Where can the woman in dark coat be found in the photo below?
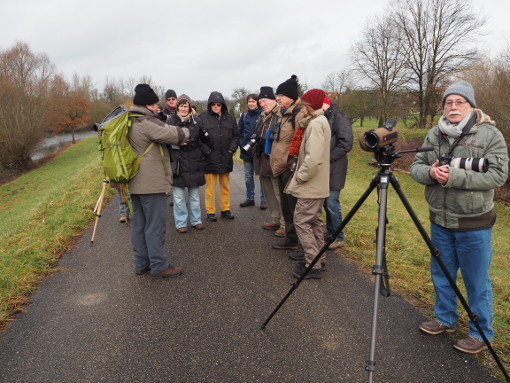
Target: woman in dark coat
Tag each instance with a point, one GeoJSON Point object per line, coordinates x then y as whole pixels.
{"type": "Point", "coordinates": [188, 167]}
{"type": "Point", "coordinates": [223, 136]}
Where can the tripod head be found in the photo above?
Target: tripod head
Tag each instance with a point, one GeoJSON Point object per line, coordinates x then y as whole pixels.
{"type": "Point", "coordinates": [386, 155]}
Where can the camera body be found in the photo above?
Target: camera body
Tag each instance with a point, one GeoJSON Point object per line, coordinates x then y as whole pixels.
{"type": "Point", "coordinates": [377, 139]}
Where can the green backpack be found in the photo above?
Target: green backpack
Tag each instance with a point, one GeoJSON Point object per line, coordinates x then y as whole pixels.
{"type": "Point", "coordinates": [120, 161]}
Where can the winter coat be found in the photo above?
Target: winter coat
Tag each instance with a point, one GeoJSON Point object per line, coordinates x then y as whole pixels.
{"type": "Point", "coordinates": [152, 176]}
{"type": "Point", "coordinates": [261, 160]}
{"type": "Point", "coordinates": [341, 144]}
{"type": "Point", "coordinates": [311, 176]}
{"type": "Point", "coordinates": [465, 202]}
{"type": "Point", "coordinates": [280, 161]}
{"type": "Point", "coordinates": [223, 136]}
{"type": "Point", "coordinates": [189, 158]}
{"type": "Point", "coordinates": [246, 127]}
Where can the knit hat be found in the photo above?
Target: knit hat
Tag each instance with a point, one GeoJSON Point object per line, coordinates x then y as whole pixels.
{"type": "Point", "coordinates": [326, 100]}
{"type": "Point", "coordinates": [289, 88]}
{"type": "Point", "coordinates": [144, 95]}
{"type": "Point", "coordinates": [314, 97]}
{"type": "Point", "coordinates": [462, 88]}
{"type": "Point", "coordinates": [266, 92]}
{"type": "Point", "coordinates": [170, 93]}
{"type": "Point", "coordinates": [183, 98]}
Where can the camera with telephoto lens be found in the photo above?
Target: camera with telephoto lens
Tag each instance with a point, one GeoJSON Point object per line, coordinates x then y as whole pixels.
{"type": "Point", "coordinates": [476, 164]}
{"type": "Point", "coordinates": [377, 139]}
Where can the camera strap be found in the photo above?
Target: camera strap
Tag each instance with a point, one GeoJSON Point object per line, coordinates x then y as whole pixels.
{"type": "Point", "coordinates": [464, 133]}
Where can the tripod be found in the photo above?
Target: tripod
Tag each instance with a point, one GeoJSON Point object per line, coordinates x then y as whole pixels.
{"type": "Point", "coordinates": [98, 208]}
{"type": "Point", "coordinates": [384, 177]}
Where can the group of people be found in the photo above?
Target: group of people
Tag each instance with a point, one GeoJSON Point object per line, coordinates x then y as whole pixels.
{"type": "Point", "coordinates": [297, 146]}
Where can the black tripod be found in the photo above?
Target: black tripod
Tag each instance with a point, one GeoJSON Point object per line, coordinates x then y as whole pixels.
{"type": "Point", "coordinates": [384, 177]}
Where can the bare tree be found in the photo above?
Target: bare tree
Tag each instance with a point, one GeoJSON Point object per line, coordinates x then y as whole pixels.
{"type": "Point", "coordinates": [337, 83]}
{"type": "Point", "coordinates": [379, 57]}
{"type": "Point", "coordinates": [25, 79]}
{"type": "Point", "coordinates": [437, 34]}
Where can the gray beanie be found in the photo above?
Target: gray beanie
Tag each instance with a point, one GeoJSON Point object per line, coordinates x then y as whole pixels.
{"type": "Point", "coordinates": [183, 98]}
{"type": "Point", "coordinates": [462, 88]}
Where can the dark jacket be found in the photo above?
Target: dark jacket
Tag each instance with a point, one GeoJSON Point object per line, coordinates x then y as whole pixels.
{"type": "Point", "coordinates": [246, 126]}
{"type": "Point", "coordinates": [261, 161]}
{"type": "Point", "coordinates": [223, 136]}
{"type": "Point", "coordinates": [341, 144]}
{"type": "Point", "coordinates": [188, 159]}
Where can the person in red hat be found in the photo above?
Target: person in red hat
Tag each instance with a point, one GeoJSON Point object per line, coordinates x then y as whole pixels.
{"type": "Point", "coordinates": [309, 183]}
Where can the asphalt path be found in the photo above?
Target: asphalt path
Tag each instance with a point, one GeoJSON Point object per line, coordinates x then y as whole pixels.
{"type": "Point", "coordinates": [96, 321]}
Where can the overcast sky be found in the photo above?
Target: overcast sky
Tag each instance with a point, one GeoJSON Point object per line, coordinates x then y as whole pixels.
{"type": "Point", "coordinates": [199, 46]}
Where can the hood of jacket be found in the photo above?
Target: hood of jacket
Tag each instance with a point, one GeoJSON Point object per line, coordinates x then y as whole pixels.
{"type": "Point", "coordinates": [216, 97]}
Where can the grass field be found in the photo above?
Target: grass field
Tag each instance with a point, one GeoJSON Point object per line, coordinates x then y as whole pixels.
{"type": "Point", "coordinates": [43, 212]}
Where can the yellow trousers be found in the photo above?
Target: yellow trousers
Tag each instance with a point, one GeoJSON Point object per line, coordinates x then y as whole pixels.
{"type": "Point", "coordinates": [210, 192]}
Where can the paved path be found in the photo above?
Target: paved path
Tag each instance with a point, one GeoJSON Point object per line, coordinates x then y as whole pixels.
{"type": "Point", "coordinates": [96, 321]}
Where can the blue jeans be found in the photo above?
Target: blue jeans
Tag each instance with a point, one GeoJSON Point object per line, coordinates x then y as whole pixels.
{"type": "Point", "coordinates": [122, 207]}
{"type": "Point", "coordinates": [250, 182]}
{"type": "Point", "coordinates": [148, 232]}
{"type": "Point", "coordinates": [333, 214]}
{"type": "Point", "coordinates": [180, 209]}
{"type": "Point", "coordinates": [471, 251]}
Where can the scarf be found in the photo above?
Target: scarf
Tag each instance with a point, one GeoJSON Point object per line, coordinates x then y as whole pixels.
{"type": "Point", "coordinates": [296, 142]}
{"type": "Point", "coordinates": [453, 130]}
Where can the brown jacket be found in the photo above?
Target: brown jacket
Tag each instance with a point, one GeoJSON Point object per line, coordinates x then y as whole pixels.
{"type": "Point", "coordinates": [151, 177]}
{"type": "Point", "coordinates": [279, 151]}
{"type": "Point", "coordinates": [311, 177]}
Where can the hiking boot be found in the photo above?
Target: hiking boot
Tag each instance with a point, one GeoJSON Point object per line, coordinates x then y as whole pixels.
{"type": "Point", "coordinates": [297, 255]}
{"type": "Point", "coordinates": [312, 274]}
{"type": "Point", "coordinates": [182, 230]}
{"type": "Point", "coordinates": [227, 214]}
{"type": "Point", "coordinates": [168, 272]}
{"type": "Point", "coordinates": [198, 226]}
{"type": "Point", "coordinates": [145, 270]}
{"type": "Point", "coordinates": [280, 232]}
{"type": "Point", "coordinates": [470, 345]}
{"type": "Point", "coordinates": [285, 245]}
{"type": "Point", "coordinates": [270, 226]}
{"type": "Point", "coordinates": [336, 245]}
{"type": "Point", "coordinates": [302, 264]}
{"type": "Point", "coordinates": [433, 327]}
{"type": "Point", "coordinates": [211, 217]}
{"type": "Point", "coordinates": [122, 219]}
{"type": "Point", "coordinates": [248, 202]}
{"type": "Point", "coordinates": [263, 205]}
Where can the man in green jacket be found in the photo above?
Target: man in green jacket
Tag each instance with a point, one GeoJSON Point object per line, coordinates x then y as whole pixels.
{"type": "Point", "coordinates": [150, 186]}
{"type": "Point", "coordinates": [470, 160]}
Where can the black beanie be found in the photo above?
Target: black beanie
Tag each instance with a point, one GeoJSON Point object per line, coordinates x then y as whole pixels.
{"type": "Point", "coordinates": [289, 88]}
{"type": "Point", "coordinates": [266, 92]}
{"type": "Point", "coordinates": [144, 95]}
{"type": "Point", "coordinates": [170, 93]}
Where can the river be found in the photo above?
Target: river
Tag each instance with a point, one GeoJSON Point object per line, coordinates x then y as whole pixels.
{"type": "Point", "coordinates": [54, 143]}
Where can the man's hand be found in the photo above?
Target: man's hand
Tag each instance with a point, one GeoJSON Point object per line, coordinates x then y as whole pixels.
{"type": "Point", "coordinates": [440, 173]}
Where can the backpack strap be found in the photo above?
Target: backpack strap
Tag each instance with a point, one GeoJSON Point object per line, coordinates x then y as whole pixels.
{"type": "Point", "coordinates": [136, 116]}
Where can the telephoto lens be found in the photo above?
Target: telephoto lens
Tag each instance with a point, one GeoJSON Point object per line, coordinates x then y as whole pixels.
{"type": "Point", "coordinates": [476, 164]}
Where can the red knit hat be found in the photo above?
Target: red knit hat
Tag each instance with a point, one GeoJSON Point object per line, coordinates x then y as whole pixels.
{"type": "Point", "coordinates": [314, 97]}
{"type": "Point", "coordinates": [326, 100]}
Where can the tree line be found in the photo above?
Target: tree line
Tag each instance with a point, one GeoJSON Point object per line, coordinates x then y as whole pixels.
{"type": "Point", "coordinates": [400, 66]}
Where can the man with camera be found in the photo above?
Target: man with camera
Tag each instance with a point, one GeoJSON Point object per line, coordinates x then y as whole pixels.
{"type": "Point", "coordinates": [460, 198]}
{"type": "Point", "coordinates": [281, 163]}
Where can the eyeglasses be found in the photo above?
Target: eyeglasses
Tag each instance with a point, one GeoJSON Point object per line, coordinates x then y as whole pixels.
{"type": "Point", "coordinates": [215, 104]}
{"type": "Point", "coordinates": [459, 103]}
{"type": "Point", "coordinates": [171, 98]}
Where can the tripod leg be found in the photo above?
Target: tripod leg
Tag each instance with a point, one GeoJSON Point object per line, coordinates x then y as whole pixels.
{"type": "Point", "coordinates": [435, 253]}
{"type": "Point", "coordinates": [348, 217]}
{"type": "Point", "coordinates": [378, 269]}
{"type": "Point", "coordinates": [98, 210]}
